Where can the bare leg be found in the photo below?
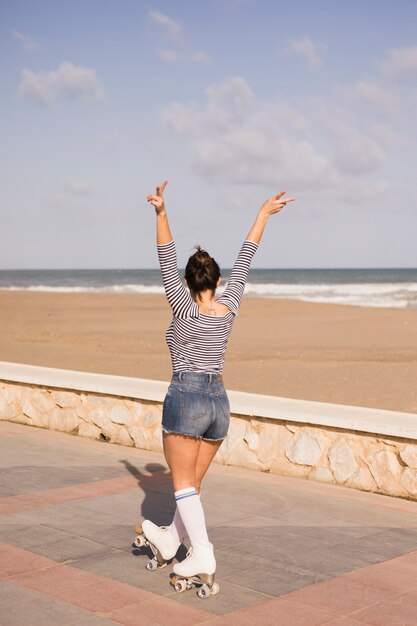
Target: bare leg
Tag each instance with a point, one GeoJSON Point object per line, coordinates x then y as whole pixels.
{"type": "Point", "coordinates": [188, 458]}
{"type": "Point", "coordinates": [206, 454]}
{"type": "Point", "coordinates": [181, 454]}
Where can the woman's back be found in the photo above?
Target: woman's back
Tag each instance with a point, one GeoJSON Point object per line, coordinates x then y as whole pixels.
{"type": "Point", "coordinates": [197, 340]}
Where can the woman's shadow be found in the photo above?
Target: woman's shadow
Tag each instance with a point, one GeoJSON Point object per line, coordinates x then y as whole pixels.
{"type": "Point", "coordinates": [158, 503]}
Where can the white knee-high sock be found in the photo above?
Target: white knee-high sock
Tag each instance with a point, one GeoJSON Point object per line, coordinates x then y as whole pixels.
{"type": "Point", "coordinates": [192, 515]}
{"type": "Point", "coordinates": [177, 527]}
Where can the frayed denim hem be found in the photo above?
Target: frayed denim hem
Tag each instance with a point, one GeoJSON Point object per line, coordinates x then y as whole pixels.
{"type": "Point", "coordinates": [174, 432]}
{"type": "Point", "coordinates": [213, 440]}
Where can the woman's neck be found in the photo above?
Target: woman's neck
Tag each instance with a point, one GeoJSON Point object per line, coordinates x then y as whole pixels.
{"type": "Point", "coordinates": [205, 298]}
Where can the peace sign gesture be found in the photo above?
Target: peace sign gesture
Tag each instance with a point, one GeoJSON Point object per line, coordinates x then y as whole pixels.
{"type": "Point", "coordinates": [275, 204]}
{"type": "Point", "coordinates": [157, 200]}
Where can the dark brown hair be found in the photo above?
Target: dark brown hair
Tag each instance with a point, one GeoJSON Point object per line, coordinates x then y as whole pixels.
{"type": "Point", "coordinates": [202, 272]}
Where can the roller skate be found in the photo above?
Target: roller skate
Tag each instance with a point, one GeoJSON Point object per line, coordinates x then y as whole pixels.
{"type": "Point", "coordinates": [160, 540]}
{"type": "Point", "coordinates": [197, 570]}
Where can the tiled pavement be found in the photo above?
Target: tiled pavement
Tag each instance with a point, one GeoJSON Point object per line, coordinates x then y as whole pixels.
{"type": "Point", "coordinates": [289, 551]}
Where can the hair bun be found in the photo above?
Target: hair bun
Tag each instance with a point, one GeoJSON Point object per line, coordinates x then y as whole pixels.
{"type": "Point", "coordinates": [202, 256]}
{"type": "Point", "coordinates": [202, 271]}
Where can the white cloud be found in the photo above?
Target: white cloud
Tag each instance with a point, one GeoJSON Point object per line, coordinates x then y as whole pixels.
{"type": "Point", "coordinates": [173, 56]}
{"type": "Point", "coordinates": [77, 187]}
{"type": "Point", "coordinates": [199, 57]}
{"type": "Point", "coordinates": [29, 44]}
{"type": "Point", "coordinates": [378, 95]}
{"type": "Point", "coordinates": [305, 48]}
{"type": "Point", "coordinates": [355, 153]}
{"type": "Point", "coordinates": [401, 63]}
{"type": "Point", "coordinates": [172, 28]}
{"type": "Point", "coordinates": [168, 56]}
{"type": "Point", "coordinates": [386, 136]}
{"type": "Point", "coordinates": [179, 51]}
{"type": "Point", "coordinates": [68, 80]}
{"type": "Point", "coordinates": [236, 140]}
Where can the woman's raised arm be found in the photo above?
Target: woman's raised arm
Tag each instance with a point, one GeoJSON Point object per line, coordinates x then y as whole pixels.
{"type": "Point", "coordinates": [163, 233]}
{"type": "Point", "coordinates": [269, 207]}
{"type": "Point", "coordinates": [177, 295]}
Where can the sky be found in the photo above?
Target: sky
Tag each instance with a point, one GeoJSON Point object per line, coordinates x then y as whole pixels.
{"type": "Point", "coordinates": [232, 101]}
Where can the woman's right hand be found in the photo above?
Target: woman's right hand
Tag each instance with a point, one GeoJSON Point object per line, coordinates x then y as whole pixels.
{"type": "Point", "coordinates": [274, 204]}
{"type": "Point", "coordinates": [157, 200]}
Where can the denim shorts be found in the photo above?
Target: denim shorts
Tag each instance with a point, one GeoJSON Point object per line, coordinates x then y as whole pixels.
{"type": "Point", "coordinates": [196, 405]}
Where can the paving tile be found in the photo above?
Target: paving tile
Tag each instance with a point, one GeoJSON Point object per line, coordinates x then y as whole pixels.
{"type": "Point", "coordinates": [11, 594]}
{"type": "Point", "coordinates": [273, 580]}
{"type": "Point", "coordinates": [55, 580]}
{"type": "Point", "coordinates": [160, 612]}
{"type": "Point", "coordinates": [120, 536]}
{"type": "Point", "coordinates": [282, 547]}
{"type": "Point", "coordinates": [409, 597]}
{"type": "Point", "coordinates": [388, 542]}
{"type": "Point", "coordinates": [338, 595]}
{"type": "Point", "coordinates": [278, 611]}
{"type": "Point", "coordinates": [231, 597]}
{"type": "Point", "coordinates": [410, 557]}
{"type": "Point", "coordinates": [332, 560]}
{"type": "Point", "coordinates": [44, 612]}
{"type": "Point", "coordinates": [130, 507]}
{"type": "Point", "coordinates": [345, 621]}
{"type": "Point", "coordinates": [14, 504]}
{"type": "Point", "coordinates": [71, 548]}
{"type": "Point", "coordinates": [105, 596]}
{"type": "Point", "coordinates": [332, 535]}
{"type": "Point", "coordinates": [127, 568]}
{"type": "Point", "coordinates": [230, 563]}
{"type": "Point", "coordinates": [28, 535]}
{"type": "Point", "coordinates": [389, 612]}
{"type": "Point", "coordinates": [67, 517]}
{"type": "Point", "coordinates": [96, 620]}
{"type": "Point", "coordinates": [28, 478]}
{"type": "Point", "coordinates": [16, 561]}
{"type": "Point", "coordinates": [387, 577]}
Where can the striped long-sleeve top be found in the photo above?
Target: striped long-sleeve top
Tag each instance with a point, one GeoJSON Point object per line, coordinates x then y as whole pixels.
{"type": "Point", "coordinates": [197, 342]}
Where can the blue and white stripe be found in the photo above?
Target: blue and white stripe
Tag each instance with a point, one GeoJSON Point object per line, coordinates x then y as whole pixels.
{"type": "Point", "coordinates": [188, 492]}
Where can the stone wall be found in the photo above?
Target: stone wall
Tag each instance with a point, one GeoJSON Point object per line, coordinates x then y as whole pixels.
{"type": "Point", "coordinates": [362, 460]}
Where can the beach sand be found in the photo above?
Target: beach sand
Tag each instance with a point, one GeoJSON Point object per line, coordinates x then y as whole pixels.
{"type": "Point", "coordinates": [325, 352]}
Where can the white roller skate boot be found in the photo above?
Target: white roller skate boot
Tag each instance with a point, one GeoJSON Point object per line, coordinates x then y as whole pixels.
{"type": "Point", "coordinates": [160, 541]}
{"type": "Point", "coordinates": [197, 569]}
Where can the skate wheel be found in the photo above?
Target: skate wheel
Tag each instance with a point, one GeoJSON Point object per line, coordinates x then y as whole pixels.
{"type": "Point", "coordinates": [180, 585]}
{"type": "Point", "coordinates": [215, 589]}
{"type": "Point", "coordinates": [140, 541]}
{"type": "Point", "coordinates": [151, 566]}
{"type": "Point", "coordinates": [138, 529]}
{"type": "Point", "coordinates": [203, 592]}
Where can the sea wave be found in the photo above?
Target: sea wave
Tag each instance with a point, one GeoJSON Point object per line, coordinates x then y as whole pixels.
{"type": "Point", "coordinates": [144, 289]}
{"type": "Point", "coordinates": [398, 295]}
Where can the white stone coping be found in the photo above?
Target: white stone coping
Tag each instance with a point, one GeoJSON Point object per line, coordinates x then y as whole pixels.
{"type": "Point", "coordinates": [378, 421]}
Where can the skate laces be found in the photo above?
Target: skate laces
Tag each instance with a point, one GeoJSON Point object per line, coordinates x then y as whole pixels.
{"type": "Point", "coordinates": [189, 553]}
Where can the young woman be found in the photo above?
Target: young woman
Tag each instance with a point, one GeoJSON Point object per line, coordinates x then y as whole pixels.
{"type": "Point", "coordinates": [196, 409]}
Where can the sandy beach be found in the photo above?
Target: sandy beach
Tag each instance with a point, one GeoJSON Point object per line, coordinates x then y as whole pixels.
{"type": "Point", "coordinates": [325, 352]}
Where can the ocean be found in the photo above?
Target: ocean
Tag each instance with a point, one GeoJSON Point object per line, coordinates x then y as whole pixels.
{"type": "Point", "coordinates": [360, 287]}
